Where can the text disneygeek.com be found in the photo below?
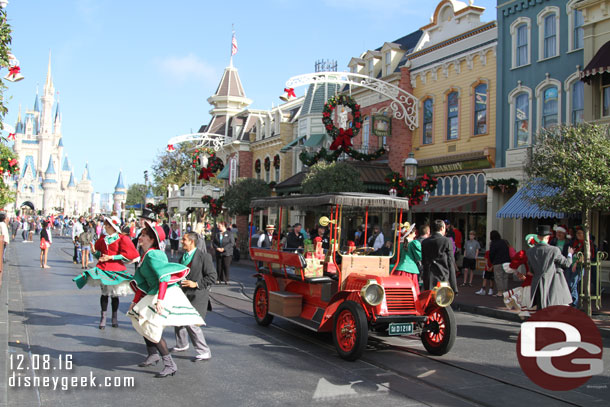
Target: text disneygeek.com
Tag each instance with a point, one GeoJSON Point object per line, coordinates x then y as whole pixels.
{"type": "Point", "coordinates": [22, 366]}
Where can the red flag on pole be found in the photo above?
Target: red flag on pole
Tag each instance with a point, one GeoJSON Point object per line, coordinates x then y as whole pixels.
{"type": "Point", "coordinates": [233, 45]}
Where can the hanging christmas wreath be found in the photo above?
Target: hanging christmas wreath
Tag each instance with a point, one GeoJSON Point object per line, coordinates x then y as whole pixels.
{"type": "Point", "coordinates": [341, 137]}
{"type": "Point", "coordinates": [276, 162]}
{"type": "Point", "coordinates": [215, 205]}
{"type": "Point", "coordinates": [196, 157]}
{"type": "Point", "coordinates": [257, 166]}
{"type": "Point", "coordinates": [267, 164]}
{"type": "Point", "coordinates": [414, 190]}
{"type": "Point", "coordinates": [215, 164]}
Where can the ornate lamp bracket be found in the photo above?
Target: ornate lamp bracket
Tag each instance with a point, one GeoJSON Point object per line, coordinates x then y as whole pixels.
{"type": "Point", "coordinates": [206, 140]}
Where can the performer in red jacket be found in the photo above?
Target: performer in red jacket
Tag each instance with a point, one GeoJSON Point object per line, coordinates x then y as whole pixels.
{"type": "Point", "coordinates": [113, 249]}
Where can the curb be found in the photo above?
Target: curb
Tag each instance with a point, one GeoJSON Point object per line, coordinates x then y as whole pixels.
{"type": "Point", "coordinates": [501, 314]}
{"type": "Point", "coordinates": [4, 337]}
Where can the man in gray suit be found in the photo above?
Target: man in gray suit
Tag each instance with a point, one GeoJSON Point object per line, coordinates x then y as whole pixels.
{"type": "Point", "coordinates": [437, 258]}
{"type": "Point", "coordinates": [196, 287]}
{"type": "Point", "coordinates": [549, 286]}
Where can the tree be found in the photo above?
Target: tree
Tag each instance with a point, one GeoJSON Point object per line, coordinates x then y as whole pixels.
{"type": "Point", "coordinates": [575, 162]}
{"type": "Point", "coordinates": [172, 167]}
{"type": "Point", "coordinates": [5, 41]}
{"type": "Point", "coordinates": [238, 196]}
{"type": "Point", "coordinates": [10, 166]}
{"type": "Point", "coordinates": [332, 177]}
{"type": "Point", "coordinates": [136, 194]}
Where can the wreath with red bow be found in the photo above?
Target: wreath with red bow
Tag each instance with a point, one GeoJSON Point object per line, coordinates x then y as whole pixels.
{"type": "Point", "coordinates": [257, 166]}
{"type": "Point", "coordinates": [276, 161]}
{"type": "Point", "coordinates": [215, 164]}
{"type": "Point", "coordinates": [342, 138]}
{"type": "Point", "coordinates": [267, 164]}
{"type": "Point", "coordinates": [215, 205]}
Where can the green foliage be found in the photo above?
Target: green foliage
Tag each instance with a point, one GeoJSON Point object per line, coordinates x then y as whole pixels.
{"type": "Point", "coordinates": [576, 161]}
{"type": "Point", "coordinates": [332, 177]}
{"type": "Point", "coordinates": [6, 156]}
{"type": "Point", "coordinates": [172, 168]}
{"type": "Point", "coordinates": [136, 194]}
{"type": "Point", "coordinates": [5, 41]}
{"type": "Point", "coordinates": [238, 196]}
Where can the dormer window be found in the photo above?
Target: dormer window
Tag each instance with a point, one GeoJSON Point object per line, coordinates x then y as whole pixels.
{"type": "Point", "coordinates": [371, 67]}
{"type": "Point", "coordinates": [388, 62]}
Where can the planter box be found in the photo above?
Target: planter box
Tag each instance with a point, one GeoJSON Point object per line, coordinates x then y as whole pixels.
{"type": "Point", "coordinates": [285, 304]}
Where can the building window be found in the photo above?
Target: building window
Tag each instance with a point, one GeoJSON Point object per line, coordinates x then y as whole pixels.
{"type": "Point", "coordinates": [454, 186]}
{"type": "Point", "coordinates": [447, 186]}
{"type": "Point", "coordinates": [471, 184]}
{"type": "Point", "coordinates": [550, 36]}
{"type": "Point", "coordinates": [388, 62]}
{"type": "Point", "coordinates": [366, 134]}
{"type": "Point", "coordinates": [548, 32]}
{"type": "Point", "coordinates": [452, 115]}
{"type": "Point", "coordinates": [550, 108]}
{"type": "Point", "coordinates": [463, 185]}
{"type": "Point", "coordinates": [522, 120]}
{"type": "Point", "coordinates": [480, 184]}
{"type": "Point", "coordinates": [606, 95]}
{"type": "Point", "coordinates": [439, 187]}
{"type": "Point", "coordinates": [428, 117]}
{"type": "Point", "coordinates": [371, 67]}
{"type": "Point", "coordinates": [578, 102]}
{"type": "Point", "coordinates": [579, 31]}
{"type": "Point", "coordinates": [522, 45]}
{"type": "Point", "coordinates": [480, 109]}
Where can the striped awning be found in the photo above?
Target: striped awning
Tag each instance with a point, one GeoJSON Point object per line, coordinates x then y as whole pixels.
{"type": "Point", "coordinates": [476, 203]}
{"type": "Point", "coordinates": [520, 206]}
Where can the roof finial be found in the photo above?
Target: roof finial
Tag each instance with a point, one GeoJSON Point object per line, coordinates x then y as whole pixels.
{"type": "Point", "coordinates": [48, 82]}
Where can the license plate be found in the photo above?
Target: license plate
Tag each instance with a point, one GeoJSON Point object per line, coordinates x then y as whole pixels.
{"type": "Point", "coordinates": [405, 328]}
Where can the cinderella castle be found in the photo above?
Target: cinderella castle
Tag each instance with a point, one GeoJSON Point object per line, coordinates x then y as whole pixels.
{"type": "Point", "coordinates": [47, 181]}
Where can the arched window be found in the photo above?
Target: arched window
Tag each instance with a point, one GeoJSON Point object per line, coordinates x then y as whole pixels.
{"type": "Point", "coordinates": [548, 31]}
{"type": "Point", "coordinates": [480, 184]}
{"type": "Point", "coordinates": [428, 118]}
{"type": "Point", "coordinates": [463, 185]}
{"type": "Point", "coordinates": [480, 109]}
{"type": "Point", "coordinates": [472, 184]}
{"type": "Point", "coordinates": [520, 35]}
{"type": "Point", "coordinates": [447, 186]}
{"type": "Point", "coordinates": [452, 115]}
{"type": "Point", "coordinates": [455, 186]}
{"type": "Point", "coordinates": [276, 167]}
{"type": "Point", "coordinates": [365, 134]}
{"type": "Point", "coordinates": [550, 97]}
{"type": "Point", "coordinates": [439, 187]}
{"type": "Point", "coordinates": [522, 120]}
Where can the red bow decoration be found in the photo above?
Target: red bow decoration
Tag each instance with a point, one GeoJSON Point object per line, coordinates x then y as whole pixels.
{"type": "Point", "coordinates": [11, 136]}
{"type": "Point", "coordinates": [170, 148]}
{"type": "Point", "coordinates": [14, 70]}
{"type": "Point", "coordinates": [290, 92]}
{"type": "Point", "coordinates": [206, 174]}
{"type": "Point", "coordinates": [344, 139]}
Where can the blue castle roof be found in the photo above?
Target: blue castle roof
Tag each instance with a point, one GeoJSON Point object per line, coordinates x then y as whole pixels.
{"type": "Point", "coordinates": [120, 184]}
{"type": "Point", "coordinates": [66, 164]}
{"type": "Point", "coordinates": [36, 104]}
{"type": "Point", "coordinates": [71, 183]}
{"type": "Point", "coordinates": [50, 168]}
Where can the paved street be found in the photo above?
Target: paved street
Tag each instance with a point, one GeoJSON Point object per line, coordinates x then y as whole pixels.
{"type": "Point", "coordinates": [251, 365]}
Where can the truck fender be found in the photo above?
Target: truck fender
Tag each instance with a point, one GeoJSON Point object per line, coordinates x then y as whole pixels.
{"type": "Point", "coordinates": [338, 299]}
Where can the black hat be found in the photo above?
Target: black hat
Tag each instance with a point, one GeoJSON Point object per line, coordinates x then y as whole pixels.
{"type": "Point", "coordinates": [147, 213]}
{"type": "Point", "coordinates": [543, 230]}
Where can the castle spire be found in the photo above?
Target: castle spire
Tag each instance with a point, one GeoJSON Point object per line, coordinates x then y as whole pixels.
{"type": "Point", "coordinates": [49, 83]}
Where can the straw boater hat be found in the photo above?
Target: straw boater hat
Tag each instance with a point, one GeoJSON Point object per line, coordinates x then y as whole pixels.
{"type": "Point", "coordinates": [270, 227]}
{"type": "Point", "coordinates": [406, 228]}
{"type": "Point", "coordinates": [113, 221]}
{"type": "Point", "coordinates": [157, 231]}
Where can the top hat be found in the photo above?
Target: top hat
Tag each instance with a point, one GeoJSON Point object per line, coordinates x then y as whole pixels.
{"type": "Point", "coordinates": [543, 230]}
{"type": "Point", "coordinates": [147, 213]}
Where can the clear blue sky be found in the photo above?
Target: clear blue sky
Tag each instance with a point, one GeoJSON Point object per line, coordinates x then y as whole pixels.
{"type": "Point", "coordinates": [132, 74]}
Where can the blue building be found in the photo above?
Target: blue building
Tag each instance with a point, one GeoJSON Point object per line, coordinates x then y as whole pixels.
{"type": "Point", "coordinates": [540, 55]}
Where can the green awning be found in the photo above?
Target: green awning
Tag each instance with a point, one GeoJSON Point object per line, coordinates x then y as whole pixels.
{"type": "Point", "coordinates": [292, 144]}
{"type": "Point", "coordinates": [314, 140]}
{"type": "Point", "coordinates": [224, 174]}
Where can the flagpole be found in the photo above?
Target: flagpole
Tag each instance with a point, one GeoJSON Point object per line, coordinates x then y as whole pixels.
{"type": "Point", "coordinates": [232, 36]}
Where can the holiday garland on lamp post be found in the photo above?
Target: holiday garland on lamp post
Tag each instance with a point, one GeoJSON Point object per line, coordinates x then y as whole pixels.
{"type": "Point", "coordinates": [215, 205]}
{"type": "Point", "coordinates": [414, 190]}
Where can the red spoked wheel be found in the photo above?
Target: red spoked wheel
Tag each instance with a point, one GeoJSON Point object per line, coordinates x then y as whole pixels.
{"type": "Point", "coordinates": [439, 331]}
{"type": "Point", "coordinates": [260, 304]}
{"type": "Point", "coordinates": [350, 333]}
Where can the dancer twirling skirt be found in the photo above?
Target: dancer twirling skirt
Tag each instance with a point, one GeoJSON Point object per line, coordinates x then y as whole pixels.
{"type": "Point", "coordinates": [159, 301]}
{"type": "Point", "coordinates": [112, 250]}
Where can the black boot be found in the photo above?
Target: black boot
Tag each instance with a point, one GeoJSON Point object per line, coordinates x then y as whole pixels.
{"type": "Point", "coordinates": [153, 357]}
{"type": "Point", "coordinates": [115, 321]}
{"type": "Point", "coordinates": [169, 367]}
{"type": "Point", "coordinates": [103, 320]}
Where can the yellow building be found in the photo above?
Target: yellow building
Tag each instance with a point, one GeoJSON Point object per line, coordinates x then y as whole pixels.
{"type": "Point", "coordinates": [453, 74]}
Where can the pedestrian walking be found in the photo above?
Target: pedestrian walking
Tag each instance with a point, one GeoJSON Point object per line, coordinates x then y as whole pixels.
{"type": "Point", "coordinates": [197, 289]}
{"type": "Point", "coordinates": [46, 239]}
{"type": "Point", "coordinates": [573, 274]}
{"type": "Point", "coordinates": [488, 276]}
{"type": "Point", "coordinates": [15, 224]}
{"type": "Point", "coordinates": [409, 262]}
{"type": "Point", "coordinates": [86, 241]}
{"type": "Point", "coordinates": [499, 253]}
{"type": "Point", "coordinates": [112, 250]}
{"type": "Point", "coordinates": [469, 263]}
{"type": "Point", "coordinates": [159, 301]}
{"type": "Point", "coordinates": [174, 239]}
{"type": "Point", "coordinates": [437, 258]}
{"type": "Point", "coordinates": [549, 286]}
{"type": "Point", "coordinates": [223, 245]}
{"type": "Point", "coordinates": [4, 232]}
{"type": "Point", "coordinates": [77, 229]}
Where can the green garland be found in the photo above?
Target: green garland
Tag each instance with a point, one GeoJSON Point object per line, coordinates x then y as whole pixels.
{"type": "Point", "coordinates": [215, 204]}
{"type": "Point", "coordinates": [414, 190]}
{"type": "Point", "coordinates": [503, 184]}
{"type": "Point", "coordinates": [324, 154]}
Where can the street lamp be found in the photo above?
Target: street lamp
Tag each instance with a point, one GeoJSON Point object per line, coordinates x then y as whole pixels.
{"type": "Point", "coordinates": [426, 197]}
{"type": "Point", "coordinates": [410, 167]}
{"type": "Point", "coordinates": [393, 192]}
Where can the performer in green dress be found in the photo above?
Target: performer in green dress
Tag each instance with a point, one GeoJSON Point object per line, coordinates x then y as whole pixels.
{"type": "Point", "coordinates": [159, 300]}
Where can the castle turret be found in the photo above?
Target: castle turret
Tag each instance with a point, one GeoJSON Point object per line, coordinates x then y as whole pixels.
{"type": "Point", "coordinates": [50, 188]}
{"type": "Point", "coordinates": [85, 189]}
{"type": "Point", "coordinates": [120, 195]}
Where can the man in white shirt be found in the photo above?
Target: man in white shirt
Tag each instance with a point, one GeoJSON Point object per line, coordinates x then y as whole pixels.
{"type": "Point", "coordinates": [4, 232]}
{"type": "Point", "coordinates": [77, 229]}
{"type": "Point", "coordinates": [377, 240]}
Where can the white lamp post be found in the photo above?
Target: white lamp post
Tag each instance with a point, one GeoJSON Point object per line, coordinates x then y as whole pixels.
{"type": "Point", "coordinates": [410, 167]}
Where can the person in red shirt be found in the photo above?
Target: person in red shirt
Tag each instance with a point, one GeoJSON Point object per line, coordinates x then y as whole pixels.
{"type": "Point", "coordinates": [110, 273]}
